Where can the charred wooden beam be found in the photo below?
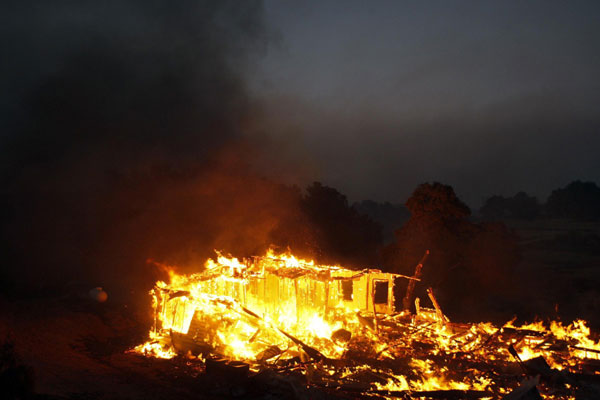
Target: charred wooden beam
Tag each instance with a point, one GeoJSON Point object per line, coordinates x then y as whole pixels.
{"type": "Point", "coordinates": [527, 390]}
{"type": "Point", "coordinates": [310, 351]}
{"type": "Point", "coordinates": [513, 352]}
{"type": "Point", "coordinates": [520, 331]}
{"type": "Point", "coordinates": [407, 301]}
{"type": "Point", "coordinates": [438, 310]}
{"type": "Point", "coordinates": [585, 349]}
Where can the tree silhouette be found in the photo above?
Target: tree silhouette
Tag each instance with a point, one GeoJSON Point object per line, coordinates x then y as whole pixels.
{"type": "Point", "coordinates": [343, 235]}
{"type": "Point", "coordinates": [494, 208]}
{"type": "Point", "coordinates": [389, 216]}
{"type": "Point", "coordinates": [523, 206]}
{"type": "Point", "coordinates": [578, 200]}
{"type": "Point", "coordinates": [467, 261]}
{"type": "Point", "coordinates": [520, 206]}
{"type": "Point", "coordinates": [438, 201]}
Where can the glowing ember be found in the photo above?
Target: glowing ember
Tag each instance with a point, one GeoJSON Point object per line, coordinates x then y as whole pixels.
{"type": "Point", "coordinates": [278, 310]}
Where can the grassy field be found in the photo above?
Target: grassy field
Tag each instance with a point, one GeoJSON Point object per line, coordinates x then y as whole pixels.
{"type": "Point", "coordinates": [559, 274]}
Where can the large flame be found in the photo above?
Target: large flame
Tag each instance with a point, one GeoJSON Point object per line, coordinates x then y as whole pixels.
{"type": "Point", "coordinates": [245, 307]}
{"type": "Point", "coordinates": [276, 307]}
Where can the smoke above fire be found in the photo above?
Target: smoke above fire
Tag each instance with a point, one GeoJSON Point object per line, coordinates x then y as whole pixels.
{"type": "Point", "coordinates": [129, 134]}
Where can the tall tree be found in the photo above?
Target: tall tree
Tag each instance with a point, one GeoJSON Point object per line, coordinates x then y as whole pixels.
{"type": "Point", "coordinates": [467, 261]}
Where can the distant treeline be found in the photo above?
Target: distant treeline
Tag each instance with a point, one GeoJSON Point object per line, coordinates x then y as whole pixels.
{"type": "Point", "coordinates": [578, 200]}
{"type": "Point", "coordinates": [389, 216]}
{"type": "Point", "coordinates": [470, 265]}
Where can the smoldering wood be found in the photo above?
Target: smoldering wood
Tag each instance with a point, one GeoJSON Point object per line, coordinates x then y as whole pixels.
{"type": "Point", "coordinates": [450, 394]}
{"type": "Point", "coordinates": [359, 385]}
{"type": "Point", "coordinates": [405, 339]}
{"type": "Point", "coordinates": [527, 390]}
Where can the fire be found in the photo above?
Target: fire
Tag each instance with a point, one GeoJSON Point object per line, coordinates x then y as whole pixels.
{"type": "Point", "coordinates": [249, 306]}
{"type": "Point", "coordinates": [156, 347]}
{"type": "Point", "coordinates": [278, 309]}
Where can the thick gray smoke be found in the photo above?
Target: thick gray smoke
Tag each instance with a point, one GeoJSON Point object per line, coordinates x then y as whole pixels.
{"type": "Point", "coordinates": [128, 78]}
{"type": "Point", "coordinates": [125, 136]}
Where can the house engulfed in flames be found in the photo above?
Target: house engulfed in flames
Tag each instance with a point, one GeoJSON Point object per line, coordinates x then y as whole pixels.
{"type": "Point", "coordinates": [341, 330]}
{"type": "Point", "coordinates": [240, 308]}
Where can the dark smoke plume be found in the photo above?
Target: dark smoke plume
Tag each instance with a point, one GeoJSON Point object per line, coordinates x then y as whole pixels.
{"type": "Point", "coordinates": [126, 135]}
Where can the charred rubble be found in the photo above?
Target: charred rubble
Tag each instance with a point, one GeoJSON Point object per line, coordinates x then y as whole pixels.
{"type": "Point", "coordinates": [277, 326]}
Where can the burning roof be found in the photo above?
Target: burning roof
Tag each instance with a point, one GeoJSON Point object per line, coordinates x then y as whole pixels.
{"type": "Point", "coordinates": [341, 329]}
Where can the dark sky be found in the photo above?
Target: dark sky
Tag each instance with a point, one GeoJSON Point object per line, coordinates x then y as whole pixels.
{"type": "Point", "coordinates": [136, 129]}
{"type": "Point", "coordinates": [490, 97]}
{"type": "Point", "coordinates": [372, 98]}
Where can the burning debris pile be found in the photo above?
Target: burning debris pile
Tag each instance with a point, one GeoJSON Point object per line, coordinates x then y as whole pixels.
{"type": "Point", "coordinates": [338, 331]}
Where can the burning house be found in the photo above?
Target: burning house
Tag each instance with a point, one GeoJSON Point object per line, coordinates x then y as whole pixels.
{"type": "Point", "coordinates": [283, 291]}
{"type": "Point", "coordinates": [342, 331]}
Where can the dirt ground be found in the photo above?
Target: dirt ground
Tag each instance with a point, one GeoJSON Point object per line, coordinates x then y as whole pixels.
{"type": "Point", "coordinates": [77, 350]}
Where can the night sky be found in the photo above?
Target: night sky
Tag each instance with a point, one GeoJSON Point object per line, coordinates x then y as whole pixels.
{"type": "Point", "coordinates": [372, 98]}
{"type": "Point", "coordinates": [490, 97]}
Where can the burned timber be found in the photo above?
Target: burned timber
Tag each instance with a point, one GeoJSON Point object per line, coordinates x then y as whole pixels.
{"type": "Point", "coordinates": [283, 322]}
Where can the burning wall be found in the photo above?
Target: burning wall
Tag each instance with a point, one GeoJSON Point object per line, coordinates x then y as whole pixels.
{"type": "Point", "coordinates": [234, 302]}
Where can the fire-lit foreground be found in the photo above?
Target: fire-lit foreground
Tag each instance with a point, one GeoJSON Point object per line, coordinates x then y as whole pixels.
{"type": "Point", "coordinates": [340, 329]}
